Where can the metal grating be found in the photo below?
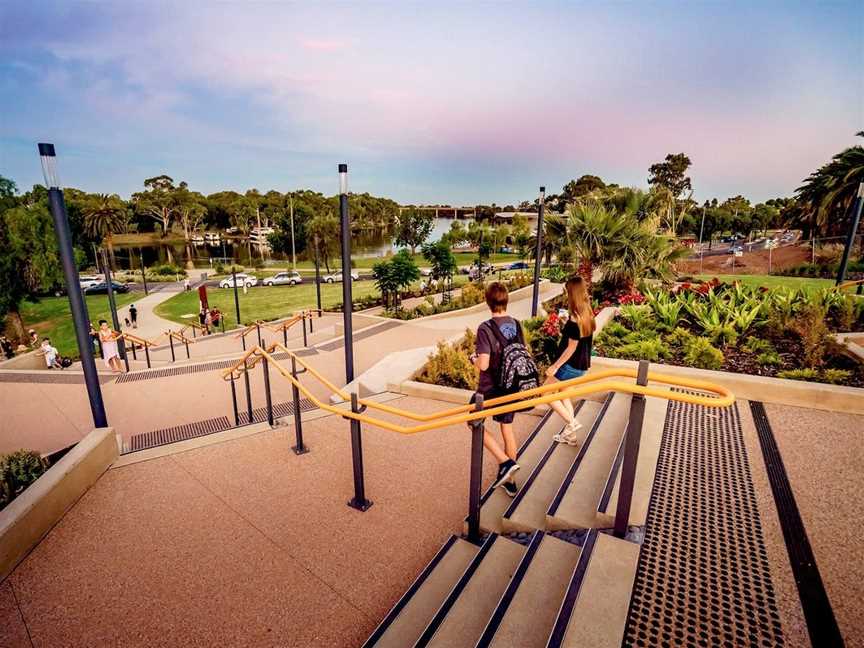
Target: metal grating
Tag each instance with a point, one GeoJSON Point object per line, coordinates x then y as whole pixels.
{"type": "Point", "coordinates": [183, 370]}
{"type": "Point", "coordinates": [211, 426]}
{"type": "Point", "coordinates": [703, 577]}
{"type": "Point", "coordinates": [51, 376]}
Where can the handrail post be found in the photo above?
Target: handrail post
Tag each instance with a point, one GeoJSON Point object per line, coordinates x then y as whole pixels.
{"type": "Point", "coordinates": [234, 402]}
{"type": "Point", "coordinates": [267, 395]}
{"type": "Point", "coordinates": [284, 335]}
{"type": "Point", "coordinates": [311, 320]}
{"type": "Point", "coordinates": [125, 356]}
{"type": "Point", "coordinates": [632, 438]}
{"type": "Point", "coordinates": [476, 475]}
{"type": "Point", "coordinates": [134, 357]}
{"type": "Point", "coordinates": [258, 327]}
{"type": "Point", "coordinates": [305, 343]}
{"type": "Point", "coordinates": [171, 343]}
{"type": "Point", "coordinates": [186, 342]}
{"type": "Point", "coordinates": [359, 500]}
{"type": "Point", "coordinates": [147, 354]}
{"type": "Point", "coordinates": [248, 392]}
{"type": "Point", "coordinates": [193, 333]}
{"type": "Point", "coordinates": [299, 448]}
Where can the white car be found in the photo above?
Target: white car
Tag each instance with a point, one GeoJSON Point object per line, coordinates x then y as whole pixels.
{"type": "Point", "coordinates": [337, 277]}
{"type": "Point", "coordinates": [426, 272]}
{"type": "Point", "coordinates": [283, 278]}
{"type": "Point", "coordinates": [242, 280]}
{"type": "Point", "coordinates": [88, 281]}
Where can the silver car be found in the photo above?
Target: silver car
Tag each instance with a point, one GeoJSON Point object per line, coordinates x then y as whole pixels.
{"type": "Point", "coordinates": [337, 277]}
{"type": "Point", "coordinates": [283, 279]}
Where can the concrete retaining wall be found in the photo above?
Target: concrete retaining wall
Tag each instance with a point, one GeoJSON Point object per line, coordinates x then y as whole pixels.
{"type": "Point", "coordinates": [35, 512]}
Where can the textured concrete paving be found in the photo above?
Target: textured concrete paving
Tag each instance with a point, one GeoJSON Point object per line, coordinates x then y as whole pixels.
{"type": "Point", "coordinates": [245, 544]}
{"type": "Point", "coordinates": [823, 453]}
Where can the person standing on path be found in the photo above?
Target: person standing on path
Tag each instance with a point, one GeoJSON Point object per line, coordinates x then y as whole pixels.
{"type": "Point", "coordinates": [186, 285]}
{"type": "Point", "coordinates": [110, 355]}
{"type": "Point", "coordinates": [133, 315]}
{"type": "Point", "coordinates": [487, 358]}
{"type": "Point", "coordinates": [574, 353]}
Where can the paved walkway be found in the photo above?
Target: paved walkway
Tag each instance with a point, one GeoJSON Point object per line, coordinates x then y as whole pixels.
{"type": "Point", "coordinates": [149, 324]}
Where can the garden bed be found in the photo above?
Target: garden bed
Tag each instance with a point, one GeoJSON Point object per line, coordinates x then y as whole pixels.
{"type": "Point", "coordinates": [730, 327]}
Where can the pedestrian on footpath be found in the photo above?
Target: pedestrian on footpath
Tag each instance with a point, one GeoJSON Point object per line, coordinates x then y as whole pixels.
{"type": "Point", "coordinates": [500, 350]}
{"type": "Point", "coordinates": [6, 347]}
{"type": "Point", "coordinates": [133, 315]}
{"type": "Point", "coordinates": [186, 285]}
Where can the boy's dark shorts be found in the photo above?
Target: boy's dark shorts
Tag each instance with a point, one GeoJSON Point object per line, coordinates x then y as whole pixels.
{"type": "Point", "coordinates": [498, 418]}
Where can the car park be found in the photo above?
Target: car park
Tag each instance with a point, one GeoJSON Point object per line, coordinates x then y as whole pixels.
{"type": "Point", "coordinates": [283, 279]}
{"type": "Point", "coordinates": [242, 280]}
{"type": "Point", "coordinates": [336, 277]}
{"type": "Point", "coordinates": [102, 288]}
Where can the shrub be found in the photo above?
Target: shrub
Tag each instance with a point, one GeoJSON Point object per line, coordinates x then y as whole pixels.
{"type": "Point", "coordinates": [219, 268]}
{"type": "Point", "coordinates": [17, 471]}
{"type": "Point", "coordinates": [844, 313]}
{"type": "Point", "coordinates": [809, 323]}
{"type": "Point", "coordinates": [651, 350]}
{"type": "Point", "coordinates": [679, 337]}
{"type": "Point", "coordinates": [836, 376]}
{"type": "Point", "coordinates": [614, 329]}
{"type": "Point", "coordinates": [641, 335]}
{"type": "Point", "coordinates": [769, 359]}
{"type": "Point", "coordinates": [700, 353]}
{"type": "Point", "coordinates": [758, 346]}
{"type": "Point", "coordinates": [449, 365]}
{"type": "Point", "coordinates": [166, 270]}
{"type": "Point", "coordinates": [799, 374]}
{"type": "Point", "coordinates": [637, 316]}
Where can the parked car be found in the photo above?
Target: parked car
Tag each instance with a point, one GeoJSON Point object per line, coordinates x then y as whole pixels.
{"type": "Point", "coordinates": [518, 265]}
{"type": "Point", "coordinates": [337, 277]}
{"type": "Point", "coordinates": [101, 288]}
{"type": "Point", "coordinates": [88, 281]}
{"type": "Point", "coordinates": [475, 270]}
{"type": "Point", "coordinates": [283, 279]}
{"type": "Point", "coordinates": [426, 272]}
{"type": "Point", "coordinates": [242, 280]}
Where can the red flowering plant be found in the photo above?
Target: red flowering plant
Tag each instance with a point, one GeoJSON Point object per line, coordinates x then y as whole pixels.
{"type": "Point", "coordinates": [552, 325]}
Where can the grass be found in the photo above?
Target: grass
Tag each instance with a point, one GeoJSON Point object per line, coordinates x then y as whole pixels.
{"type": "Point", "coordinates": [261, 302]}
{"type": "Point", "coordinates": [366, 263]}
{"type": "Point", "coordinates": [51, 317]}
{"type": "Point", "coordinates": [808, 284]}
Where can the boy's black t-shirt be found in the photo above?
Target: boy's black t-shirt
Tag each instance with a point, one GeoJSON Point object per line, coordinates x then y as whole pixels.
{"type": "Point", "coordinates": [581, 357]}
{"type": "Point", "coordinates": [488, 343]}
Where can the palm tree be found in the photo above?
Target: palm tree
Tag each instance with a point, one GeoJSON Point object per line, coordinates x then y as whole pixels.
{"type": "Point", "coordinates": [104, 216]}
{"type": "Point", "coordinates": [828, 192]}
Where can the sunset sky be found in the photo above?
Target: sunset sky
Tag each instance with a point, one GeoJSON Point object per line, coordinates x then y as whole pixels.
{"type": "Point", "coordinates": [428, 102]}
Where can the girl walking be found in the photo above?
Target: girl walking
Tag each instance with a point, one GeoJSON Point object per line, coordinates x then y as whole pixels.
{"type": "Point", "coordinates": [108, 338]}
{"type": "Point", "coordinates": [574, 353]}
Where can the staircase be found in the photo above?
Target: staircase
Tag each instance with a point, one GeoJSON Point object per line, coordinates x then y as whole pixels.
{"type": "Point", "coordinates": [548, 573]}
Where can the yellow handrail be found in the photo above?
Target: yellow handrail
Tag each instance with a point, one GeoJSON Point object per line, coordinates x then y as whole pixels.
{"type": "Point", "coordinates": [585, 385]}
{"type": "Point", "coordinates": [137, 340]}
{"type": "Point", "coordinates": [849, 284]}
{"type": "Point", "coordinates": [179, 336]}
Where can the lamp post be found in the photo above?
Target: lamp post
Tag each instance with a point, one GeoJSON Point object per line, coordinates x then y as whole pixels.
{"type": "Point", "coordinates": [144, 275]}
{"type": "Point", "coordinates": [293, 249]}
{"type": "Point", "coordinates": [317, 276]}
{"type": "Point", "coordinates": [347, 301]}
{"type": "Point", "coordinates": [537, 254]}
{"type": "Point", "coordinates": [853, 229]}
{"type": "Point", "coordinates": [80, 318]}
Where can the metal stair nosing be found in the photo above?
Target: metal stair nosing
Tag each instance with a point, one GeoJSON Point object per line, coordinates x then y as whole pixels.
{"type": "Point", "coordinates": [454, 594]}
{"type": "Point", "coordinates": [394, 612]}
{"type": "Point", "coordinates": [534, 473]}
{"type": "Point", "coordinates": [568, 477]}
{"type": "Point", "coordinates": [509, 593]}
{"type": "Point", "coordinates": [568, 603]}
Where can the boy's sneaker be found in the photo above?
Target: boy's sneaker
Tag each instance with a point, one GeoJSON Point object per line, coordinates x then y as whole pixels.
{"type": "Point", "coordinates": [506, 471]}
{"type": "Point", "coordinates": [510, 488]}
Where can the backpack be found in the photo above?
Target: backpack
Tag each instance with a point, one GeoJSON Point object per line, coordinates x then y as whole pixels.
{"type": "Point", "coordinates": [516, 369]}
{"type": "Point", "coordinates": [65, 362]}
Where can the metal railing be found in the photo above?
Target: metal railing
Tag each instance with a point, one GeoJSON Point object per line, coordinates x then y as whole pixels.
{"type": "Point", "coordinates": [475, 413]}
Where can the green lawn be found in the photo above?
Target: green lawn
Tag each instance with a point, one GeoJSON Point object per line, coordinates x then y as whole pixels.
{"type": "Point", "coordinates": [809, 284]}
{"type": "Point", "coordinates": [261, 302]}
{"type": "Point", "coordinates": [51, 317]}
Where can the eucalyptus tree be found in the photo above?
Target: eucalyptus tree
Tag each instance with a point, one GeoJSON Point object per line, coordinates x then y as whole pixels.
{"type": "Point", "coordinates": [158, 201]}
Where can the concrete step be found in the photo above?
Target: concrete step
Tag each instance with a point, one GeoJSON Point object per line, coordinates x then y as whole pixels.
{"type": "Point", "coordinates": [496, 501]}
{"type": "Point", "coordinates": [409, 617]}
{"type": "Point", "coordinates": [646, 467]}
{"type": "Point", "coordinates": [527, 611]}
{"type": "Point", "coordinates": [594, 612]}
{"type": "Point", "coordinates": [462, 618]}
{"type": "Point", "coordinates": [527, 511]}
{"type": "Point", "coordinates": [574, 506]}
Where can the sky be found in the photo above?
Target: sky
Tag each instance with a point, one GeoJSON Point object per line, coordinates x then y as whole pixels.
{"type": "Point", "coordinates": [435, 102]}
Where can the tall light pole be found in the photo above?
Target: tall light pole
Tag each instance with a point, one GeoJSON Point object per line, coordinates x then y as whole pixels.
{"type": "Point", "coordinates": [701, 230]}
{"type": "Point", "coordinates": [293, 249]}
{"type": "Point", "coordinates": [537, 254]}
{"type": "Point", "coordinates": [347, 301]}
{"type": "Point", "coordinates": [317, 276]}
{"type": "Point", "coordinates": [853, 229]}
{"type": "Point", "coordinates": [80, 318]}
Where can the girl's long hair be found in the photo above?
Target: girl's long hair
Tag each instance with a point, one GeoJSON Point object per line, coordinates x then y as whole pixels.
{"type": "Point", "coordinates": [579, 305]}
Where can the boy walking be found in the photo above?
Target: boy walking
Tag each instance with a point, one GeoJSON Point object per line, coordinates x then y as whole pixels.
{"type": "Point", "coordinates": [487, 358]}
{"type": "Point", "coordinates": [133, 315]}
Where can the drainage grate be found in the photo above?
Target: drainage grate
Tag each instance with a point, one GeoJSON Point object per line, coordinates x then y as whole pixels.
{"type": "Point", "coordinates": [362, 335]}
{"type": "Point", "coordinates": [211, 426]}
{"type": "Point", "coordinates": [50, 376]}
{"type": "Point", "coordinates": [703, 577]}
{"type": "Point", "coordinates": [183, 370]}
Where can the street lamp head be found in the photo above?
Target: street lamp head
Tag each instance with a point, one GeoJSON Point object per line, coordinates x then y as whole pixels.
{"type": "Point", "coordinates": [49, 165]}
{"type": "Point", "coordinates": [542, 193]}
{"type": "Point", "coordinates": [861, 189]}
{"type": "Point", "coordinates": [343, 178]}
